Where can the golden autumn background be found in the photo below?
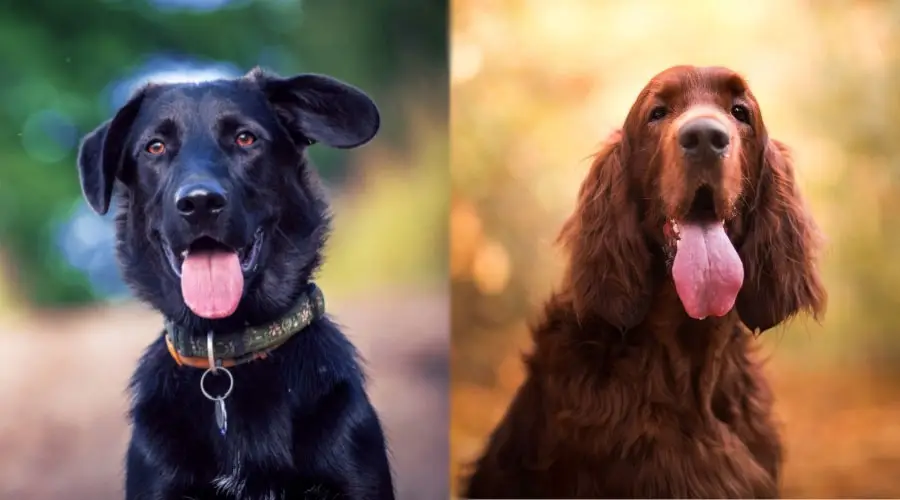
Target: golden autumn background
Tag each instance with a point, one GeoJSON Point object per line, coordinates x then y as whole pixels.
{"type": "Point", "coordinates": [535, 88]}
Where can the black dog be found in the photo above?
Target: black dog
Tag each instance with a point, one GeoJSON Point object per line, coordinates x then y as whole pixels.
{"type": "Point", "coordinates": [221, 225]}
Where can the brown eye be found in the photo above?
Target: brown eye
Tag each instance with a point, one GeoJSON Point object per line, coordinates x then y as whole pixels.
{"type": "Point", "coordinates": [741, 113]}
{"type": "Point", "coordinates": [245, 139]}
{"type": "Point", "coordinates": [658, 113]}
{"type": "Point", "coordinates": [156, 148]}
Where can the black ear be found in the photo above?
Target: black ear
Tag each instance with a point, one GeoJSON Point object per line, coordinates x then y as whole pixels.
{"type": "Point", "coordinates": [322, 109]}
{"type": "Point", "coordinates": [101, 154]}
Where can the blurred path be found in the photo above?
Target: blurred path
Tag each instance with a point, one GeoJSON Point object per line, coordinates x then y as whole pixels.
{"type": "Point", "coordinates": [62, 394]}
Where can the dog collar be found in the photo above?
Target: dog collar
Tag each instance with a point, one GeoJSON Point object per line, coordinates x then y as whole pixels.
{"type": "Point", "coordinates": [242, 347]}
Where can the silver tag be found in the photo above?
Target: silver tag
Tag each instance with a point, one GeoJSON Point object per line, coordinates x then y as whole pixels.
{"type": "Point", "coordinates": [221, 416]}
{"type": "Point", "coordinates": [218, 401]}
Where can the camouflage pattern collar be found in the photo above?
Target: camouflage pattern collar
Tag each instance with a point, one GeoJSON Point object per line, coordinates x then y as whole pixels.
{"type": "Point", "coordinates": [253, 343]}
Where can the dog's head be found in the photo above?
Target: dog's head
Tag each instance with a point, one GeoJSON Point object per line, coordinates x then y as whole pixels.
{"type": "Point", "coordinates": [693, 189]}
{"type": "Point", "coordinates": [221, 216]}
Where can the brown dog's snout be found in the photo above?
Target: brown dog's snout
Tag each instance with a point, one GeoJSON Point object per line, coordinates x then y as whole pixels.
{"type": "Point", "coordinates": [704, 137]}
{"type": "Point", "coordinates": [704, 150]}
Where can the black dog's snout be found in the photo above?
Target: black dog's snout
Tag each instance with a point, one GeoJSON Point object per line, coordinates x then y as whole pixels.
{"type": "Point", "coordinates": [197, 202]}
{"type": "Point", "coordinates": [703, 136]}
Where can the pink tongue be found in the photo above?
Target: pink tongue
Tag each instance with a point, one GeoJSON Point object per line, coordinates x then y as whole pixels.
{"type": "Point", "coordinates": [212, 283]}
{"type": "Point", "coordinates": [707, 271]}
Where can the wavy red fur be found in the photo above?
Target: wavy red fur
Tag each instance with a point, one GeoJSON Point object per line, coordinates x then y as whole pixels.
{"type": "Point", "coordinates": [626, 395]}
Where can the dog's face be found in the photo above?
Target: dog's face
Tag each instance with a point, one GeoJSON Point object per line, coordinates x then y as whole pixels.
{"type": "Point", "coordinates": [221, 216]}
{"type": "Point", "coordinates": [700, 134]}
{"type": "Point", "coordinates": [696, 135]}
{"type": "Point", "coordinates": [692, 190]}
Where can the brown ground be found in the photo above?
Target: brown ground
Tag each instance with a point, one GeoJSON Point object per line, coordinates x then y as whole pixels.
{"type": "Point", "coordinates": [62, 397]}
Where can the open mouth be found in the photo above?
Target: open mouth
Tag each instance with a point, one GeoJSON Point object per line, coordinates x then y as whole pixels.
{"type": "Point", "coordinates": [706, 268]}
{"type": "Point", "coordinates": [212, 274]}
{"type": "Point", "coordinates": [703, 206]}
{"type": "Point", "coordinates": [248, 256]}
{"type": "Point", "coordinates": [702, 211]}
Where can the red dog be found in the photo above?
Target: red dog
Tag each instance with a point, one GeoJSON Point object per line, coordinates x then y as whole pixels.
{"type": "Point", "coordinates": [689, 235]}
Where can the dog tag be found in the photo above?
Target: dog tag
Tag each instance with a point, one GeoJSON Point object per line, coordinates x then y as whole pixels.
{"type": "Point", "coordinates": [218, 401]}
{"type": "Point", "coordinates": [221, 416]}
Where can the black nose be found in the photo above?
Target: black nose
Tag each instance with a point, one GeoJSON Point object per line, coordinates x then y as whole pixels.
{"type": "Point", "coordinates": [703, 136]}
{"type": "Point", "coordinates": [201, 201]}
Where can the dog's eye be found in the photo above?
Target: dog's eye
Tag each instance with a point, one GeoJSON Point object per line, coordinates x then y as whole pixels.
{"type": "Point", "coordinates": [245, 139]}
{"type": "Point", "coordinates": [156, 148]}
{"type": "Point", "coordinates": [658, 113]}
{"type": "Point", "coordinates": [741, 113]}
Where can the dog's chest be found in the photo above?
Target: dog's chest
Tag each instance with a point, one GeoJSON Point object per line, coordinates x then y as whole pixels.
{"type": "Point", "coordinates": [679, 465]}
{"type": "Point", "coordinates": [251, 454]}
{"type": "Point", "coordinates": [234, 484]}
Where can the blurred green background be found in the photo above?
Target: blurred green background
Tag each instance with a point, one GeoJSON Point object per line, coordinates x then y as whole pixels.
{"type": "Point", "coordinates": [72, 332]}
{"type": "Point", "coordinates": [536, 86]}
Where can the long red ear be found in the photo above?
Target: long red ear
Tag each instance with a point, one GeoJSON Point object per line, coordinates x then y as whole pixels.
{"type": "Point", "coordinates": [609, 268]}
{"type": "Point", "coordinates": [780, 249]}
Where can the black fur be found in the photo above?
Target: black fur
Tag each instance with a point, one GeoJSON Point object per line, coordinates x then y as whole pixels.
{"type": "Point", "coordinates": [300, 422]}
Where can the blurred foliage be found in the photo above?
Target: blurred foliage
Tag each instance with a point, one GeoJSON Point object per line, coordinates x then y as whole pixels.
{"type": "Point", "coordinates": [391, 226]}
{"type": "Point", "coordinates": [536, 87]}
{"type": "Point", "coordinates": [60, 57]}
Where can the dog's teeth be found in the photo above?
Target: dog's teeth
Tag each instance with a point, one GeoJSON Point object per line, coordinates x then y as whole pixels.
{"type": "Point", "coordinates": [184, 254]}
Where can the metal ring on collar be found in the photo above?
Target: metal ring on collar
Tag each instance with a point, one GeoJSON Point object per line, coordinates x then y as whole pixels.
{"type": "Point", "coordinates": [227, 391]}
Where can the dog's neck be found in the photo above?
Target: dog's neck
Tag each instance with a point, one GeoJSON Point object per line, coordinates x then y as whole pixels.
{"type": "Point", "coordinates": [244, 345]}
{"type": "Point", "coordinates": [688, 351]}
{"type": "Point", "coordinates": [668, 324]}
{"type": "Point", "coordinates": [668, 351]}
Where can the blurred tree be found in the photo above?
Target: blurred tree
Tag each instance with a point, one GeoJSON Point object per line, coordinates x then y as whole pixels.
{"type": "Point", "coordinates": [59, 57]}
{"type": "Point", "coordinates": [863, 121]}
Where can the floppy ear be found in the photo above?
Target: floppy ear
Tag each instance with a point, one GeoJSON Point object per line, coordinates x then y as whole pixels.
{"type": "Point", "coordinates": [318, 108]}
{"type": "Point", "coordinates": [609, 272]}
{"type": "Point", "coordinates": [779, 250]}
{"type": "Point", "coordinates": [101, 154]}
